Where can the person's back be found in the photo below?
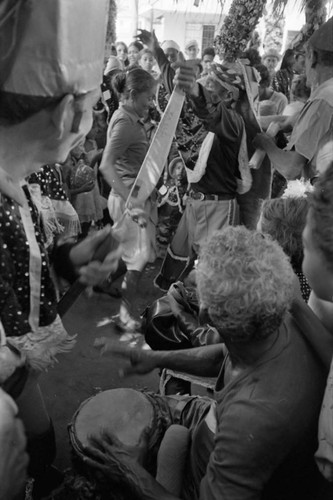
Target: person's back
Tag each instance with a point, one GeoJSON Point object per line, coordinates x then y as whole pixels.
{"type": "Point", "coordinates": [275, 405]}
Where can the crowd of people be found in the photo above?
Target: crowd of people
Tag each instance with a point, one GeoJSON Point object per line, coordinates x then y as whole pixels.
{"type": "Point", "coordinates": [253, 237]}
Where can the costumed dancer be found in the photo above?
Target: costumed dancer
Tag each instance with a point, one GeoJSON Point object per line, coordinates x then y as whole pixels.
{"type": "Point", "coordinates": [216, 160]}
{"type": "Point", "coordinates": [50, 80]}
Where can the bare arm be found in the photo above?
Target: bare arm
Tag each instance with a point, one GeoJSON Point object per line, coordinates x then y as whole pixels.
{"type": "Point", "coordinates": [202, 361]}
{"type": "Point", "coordinates": [116, 461]}
{"type": "Point", "coordinates": [288, 163]}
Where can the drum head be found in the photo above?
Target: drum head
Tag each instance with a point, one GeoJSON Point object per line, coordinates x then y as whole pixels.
{"type": "Point", "coordinates": [123, 412]}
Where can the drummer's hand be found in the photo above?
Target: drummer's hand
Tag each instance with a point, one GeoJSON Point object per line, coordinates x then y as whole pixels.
{"type": "Point", "coordinates": [141, 361]}
{"type": "Point", "coordinates": [92, 269]}
{"type": "Point", "coordinates": [113, 458]}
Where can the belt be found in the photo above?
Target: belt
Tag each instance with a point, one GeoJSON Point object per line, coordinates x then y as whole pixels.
{"type": "Point", "coordinates": [197, 195]}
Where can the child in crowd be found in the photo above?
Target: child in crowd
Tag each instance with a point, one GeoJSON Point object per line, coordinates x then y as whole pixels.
{"type": "Point", "coordinates": [192, 49]}
{"type": "Point", "coordinates": [88, 203]}
{"type": "Point", "coordinates": [147, 62]}
{"type": "Point", "coordinates": [125, 151]}
{"type": "Point", "coordinates": [122, 54]}
{"type": "Point", "coordinates": [207, 60]}
{"type": "Point", "coordinates": [134, 50]}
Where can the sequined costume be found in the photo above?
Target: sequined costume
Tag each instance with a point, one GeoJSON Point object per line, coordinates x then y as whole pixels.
{"type": "Point", "coordinates": [30, 322]}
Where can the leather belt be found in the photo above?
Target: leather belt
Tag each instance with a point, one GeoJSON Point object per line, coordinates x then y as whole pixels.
{"type": "Point", "coordinates": [197, 195]}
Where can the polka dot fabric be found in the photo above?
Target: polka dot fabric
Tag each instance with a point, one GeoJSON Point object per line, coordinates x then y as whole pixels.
{"type": "Point", "coordinates": [305, 287]}
{"type": "Point", "coordinates": [14, 271]}
{"type": "Point", "coordinates": [49, 182]}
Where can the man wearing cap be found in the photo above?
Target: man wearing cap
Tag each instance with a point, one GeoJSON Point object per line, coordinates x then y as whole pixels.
{"type": "Point", "coordinates": [192, 49]}
{"type": "Point", "coordinates": [311, 142]}
{"type": "Point", "coordinates": [171, 50]}
{"type": "Point", "coordinates": [50, 77]}
{"type": "Point", "coordinates": [270, 60]}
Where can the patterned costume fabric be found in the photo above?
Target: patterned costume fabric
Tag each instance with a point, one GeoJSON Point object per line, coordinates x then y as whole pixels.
{"type": "Point", "coordinates": [49, 183]}
{"type": "Point", "coordinates": [14, 264]}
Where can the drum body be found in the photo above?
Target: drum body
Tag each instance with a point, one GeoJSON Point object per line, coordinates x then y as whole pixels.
{"type": "Point", "coordinates": [124, 413]}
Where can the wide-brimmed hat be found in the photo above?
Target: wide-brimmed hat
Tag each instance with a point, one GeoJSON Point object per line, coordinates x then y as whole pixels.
{"type": "Point", "coordinates": [271, 53]}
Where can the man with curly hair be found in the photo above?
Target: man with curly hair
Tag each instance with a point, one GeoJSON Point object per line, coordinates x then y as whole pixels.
{"type": "Point", "coordinates": [257, 438]}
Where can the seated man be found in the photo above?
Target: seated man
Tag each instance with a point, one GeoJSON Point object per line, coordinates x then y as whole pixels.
{"type": "Point", "coordinates": [257, 439]}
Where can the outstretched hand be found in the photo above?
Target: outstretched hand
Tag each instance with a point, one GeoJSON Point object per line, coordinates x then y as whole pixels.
{"type": "Point", "coordinates": [147, 38]}
{"type": "Point", "coordinates": [140, 361]}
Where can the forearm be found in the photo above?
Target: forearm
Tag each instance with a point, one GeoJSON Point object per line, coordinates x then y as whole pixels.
{"type": "Point", "coordinates": [287, 163]}
{"type": "Point", "coordinates": [167, 72]}
{"type": "Point", "coordinates": [62, 262]}
{"type": "Point", "coordinates": [201, 361]}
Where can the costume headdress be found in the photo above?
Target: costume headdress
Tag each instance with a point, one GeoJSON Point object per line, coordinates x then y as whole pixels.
{"type": "Point", "coordinates": [52, 47]}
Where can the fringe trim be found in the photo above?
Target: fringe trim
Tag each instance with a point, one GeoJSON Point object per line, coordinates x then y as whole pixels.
{"type": "Point", "coordinates": [42, 346]}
